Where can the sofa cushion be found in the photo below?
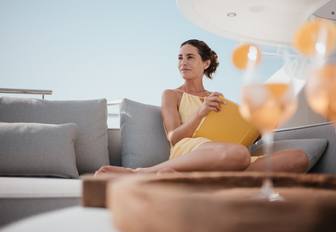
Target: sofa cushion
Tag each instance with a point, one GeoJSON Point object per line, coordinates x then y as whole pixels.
{"type": "Point", "coordinates": [143, 140]}
{"type": "Point", "coordinates": [32, 149]}
{"type": "Point", "coordinates": [313, 148]}
{"type": "Point", "coordinates": [89, 115]}
{"type": "Point", "coordinates": [215, 126]}
{"type": "Point", "coordinates": [33, 188]}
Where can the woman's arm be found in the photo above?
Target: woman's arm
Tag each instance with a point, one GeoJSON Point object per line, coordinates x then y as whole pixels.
{"type": "Point", "coordinates": [171, 118]}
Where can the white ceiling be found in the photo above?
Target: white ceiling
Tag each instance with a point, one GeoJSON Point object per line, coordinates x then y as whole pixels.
{"type": "Point", "coordinates": [260, 21]}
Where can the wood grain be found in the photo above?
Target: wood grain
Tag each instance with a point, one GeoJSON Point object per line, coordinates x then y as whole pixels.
{"type": "Point", "coordinates": [94, 189]}
{"type": "Point", "coordinates": [222, 202]}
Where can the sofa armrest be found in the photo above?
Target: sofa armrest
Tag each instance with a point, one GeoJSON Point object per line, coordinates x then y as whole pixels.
{"type": "Point", "coordinates": [327, 163]}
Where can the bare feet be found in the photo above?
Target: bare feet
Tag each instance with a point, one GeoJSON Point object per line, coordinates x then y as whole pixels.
{"type": "Point", "coordinates": [114, 170]}
{"type": "Point", "coordinates": [123, 170]}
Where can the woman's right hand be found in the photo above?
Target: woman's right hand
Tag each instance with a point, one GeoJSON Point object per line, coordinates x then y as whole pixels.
{"type": "Point", "coordinates": [211, 103]}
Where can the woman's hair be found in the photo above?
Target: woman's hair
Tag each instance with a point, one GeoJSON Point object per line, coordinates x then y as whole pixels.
{"type": "Point", "coordinates": [206, 54]}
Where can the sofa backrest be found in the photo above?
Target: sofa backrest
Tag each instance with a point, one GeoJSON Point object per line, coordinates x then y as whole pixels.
{"type": "Point", "coordinates": [90, 116]}
{"type": "Point", "coordinates": [326, 164]}
{"type": "Point", "coordinates": [143, 139]}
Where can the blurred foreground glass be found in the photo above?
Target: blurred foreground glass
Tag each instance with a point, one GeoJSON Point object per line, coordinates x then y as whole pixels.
{"type": "Point", "coordinates": [266, 105]}
{"type": "Point", "coordinates": [317, 40]}
{"type": "Point", "coordinates": [321, 91]}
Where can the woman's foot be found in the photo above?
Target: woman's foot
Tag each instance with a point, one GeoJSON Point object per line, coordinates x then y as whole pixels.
{"type": "Point", "coordinates": [153, 170]}
{"type": "Point", "coordinates": [123, 170]}
{"type": "Point", "coordinates": [114, 170]}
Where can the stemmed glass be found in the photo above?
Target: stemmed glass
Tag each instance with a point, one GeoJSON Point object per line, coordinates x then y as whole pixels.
{"type": "Point", "coordinates": [266, 105]}
{"type": "Point", "coordinates": [321, 86]}
{"type": "Point", "coordinates": [321, 90]}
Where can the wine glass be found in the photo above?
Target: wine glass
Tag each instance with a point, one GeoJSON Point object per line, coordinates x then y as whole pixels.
{"type": "Point", "coordinates": [321, 90]}
{"type": "Point", "coordinates": [317, 40]}
{"type": "Point", "coordinates": [266, 105]}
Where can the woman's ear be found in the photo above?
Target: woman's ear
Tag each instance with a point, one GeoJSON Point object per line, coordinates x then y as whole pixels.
{"type": "Point", "coordinates": [207, 64]}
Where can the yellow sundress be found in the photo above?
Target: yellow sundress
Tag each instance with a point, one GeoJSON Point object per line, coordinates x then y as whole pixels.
{"type": "Point", "coordinates": [189, 105]}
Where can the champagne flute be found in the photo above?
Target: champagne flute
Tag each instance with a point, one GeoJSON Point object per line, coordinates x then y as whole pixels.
{"type": "Point", "coordinates": [266, 105]}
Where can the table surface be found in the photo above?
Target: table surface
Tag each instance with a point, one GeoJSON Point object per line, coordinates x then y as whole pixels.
{"type": "Point", "coordinates": [69, 219]}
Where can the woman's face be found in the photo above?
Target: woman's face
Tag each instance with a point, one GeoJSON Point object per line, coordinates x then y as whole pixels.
{"type": "Point", "coordinates": [190, 63]}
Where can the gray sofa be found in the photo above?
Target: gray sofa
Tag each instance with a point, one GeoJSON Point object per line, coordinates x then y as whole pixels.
{"type": "Point", "coordinates": [21, 197]}
{"type": "Point", "coordinates": [27, 188]}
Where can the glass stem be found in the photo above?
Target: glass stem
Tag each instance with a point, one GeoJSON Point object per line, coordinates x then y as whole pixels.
{"type": "Point", "coordinates": [267, 139]}
{"type": "Point", "coordinates": [267, 187]}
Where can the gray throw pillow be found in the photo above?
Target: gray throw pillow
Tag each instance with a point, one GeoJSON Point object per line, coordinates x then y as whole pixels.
{"type": "Point", "coordinates": [313, 148]}
{"type": "Point", "coordinates": [89, 115]}
{"type": "Point", "coordinates": [33, 149]}
{"type": "Point", "coordinates": [143, 140]}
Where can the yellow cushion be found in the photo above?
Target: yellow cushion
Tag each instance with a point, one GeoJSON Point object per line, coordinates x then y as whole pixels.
{"type": "Point", "coordinates": [227, 125]}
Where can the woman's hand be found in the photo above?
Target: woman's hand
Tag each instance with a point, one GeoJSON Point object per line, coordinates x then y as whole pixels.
{"type": "Point", "coordinates": [211, 103]}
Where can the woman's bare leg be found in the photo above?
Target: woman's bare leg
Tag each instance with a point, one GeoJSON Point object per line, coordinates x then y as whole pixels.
{"type": "Point", "coordinates": [209, 156]}
{"type": "Point", "coordinates": [283, 161]}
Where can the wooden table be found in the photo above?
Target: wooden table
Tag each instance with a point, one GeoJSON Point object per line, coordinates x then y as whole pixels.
{"type": "Point", "coordinates": [220, 201]}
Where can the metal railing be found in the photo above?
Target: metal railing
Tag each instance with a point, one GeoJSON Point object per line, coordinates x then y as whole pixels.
{"type": "Point", "coordinates": [113, 120]}
{"type": "Point", "coordinates": [114, 103]}
{"type": "Point", "coordinates": [42, 92]}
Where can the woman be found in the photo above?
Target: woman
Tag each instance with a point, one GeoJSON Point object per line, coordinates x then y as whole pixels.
{"type": "Point", "coordinates": [183, 109]}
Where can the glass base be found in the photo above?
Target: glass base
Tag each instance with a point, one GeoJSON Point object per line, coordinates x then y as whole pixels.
{"type": "Point", "coordinates": [267, 192]}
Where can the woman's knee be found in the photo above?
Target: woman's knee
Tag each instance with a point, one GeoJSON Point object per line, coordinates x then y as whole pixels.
{"type": "Point", "coordinates": [300, 160]}
{"type": "Point", "coordinates": [238, 155]}
{"type": "Point", "coordinates": [243, 155]}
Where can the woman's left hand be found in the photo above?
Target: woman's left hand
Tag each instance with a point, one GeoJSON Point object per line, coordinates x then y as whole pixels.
{"type": "Point", "coordinates": [212, 102]}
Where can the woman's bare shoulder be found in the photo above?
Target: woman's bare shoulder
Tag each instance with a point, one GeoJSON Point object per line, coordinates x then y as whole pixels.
{"type": "Point", "coordinates": [172, 96]}
{"type": "Point", "coordinates": [176, 93]}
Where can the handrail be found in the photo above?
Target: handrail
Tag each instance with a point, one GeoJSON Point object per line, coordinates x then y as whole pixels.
{"type": "Point", "coordinates": [49, 92]}
{"type": "Point", "coordinates": [114, 103]}
{"type": "Point", "coordinates": [26, 91]}
{"type": "Point", "coordinates": [113, 115]}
